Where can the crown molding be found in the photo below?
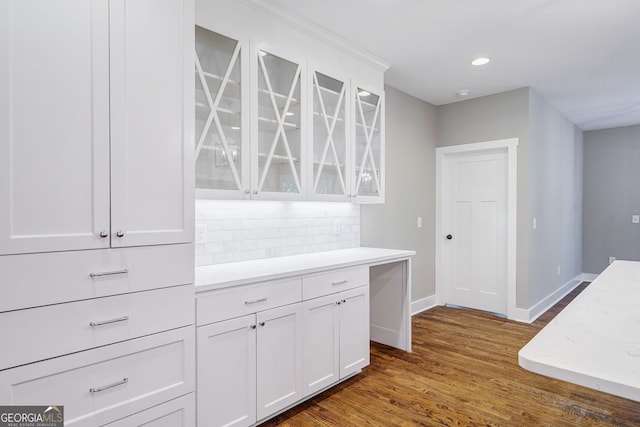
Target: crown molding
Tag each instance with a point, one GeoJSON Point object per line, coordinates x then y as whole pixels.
{"type": "Point", "coordinates": [311, 28]}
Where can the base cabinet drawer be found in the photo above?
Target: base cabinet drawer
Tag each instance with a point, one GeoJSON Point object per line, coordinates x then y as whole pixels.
{"type": "Point", "coordinates": [334, 281]}
{"type": "Point", "coordinates": [105, 384]}
{"type": "Point", "coordinates": [66, 328]}
{"type": "Point", "coordinates": [180, 412]}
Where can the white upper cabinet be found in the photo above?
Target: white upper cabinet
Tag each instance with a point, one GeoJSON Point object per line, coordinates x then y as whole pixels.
{"type": "Point", "coordinates": [368, 179]}
{"type": "Point", "coordinates": [278, 115]}
{"type": "Point", "coordinates": [279, 146]}
{"type": "Point", "coordinates": [330, 155]}
{"type": "Point", "coordinates": [54, 125]}
{"type": "Point", "coordinates": [221, 121]}
{"type": "Point", "coordinates": [95, 124]}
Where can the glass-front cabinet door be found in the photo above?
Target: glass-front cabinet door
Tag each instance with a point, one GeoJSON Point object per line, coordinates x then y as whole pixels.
{"type": "Point", "coordinates": [222, 167]}
{"type": "Point", "coordinates": [279, 147]}
{"type": "Point", "coordinates": [329, 153]}
{"type": "Point", "coordinates": [369, 146]}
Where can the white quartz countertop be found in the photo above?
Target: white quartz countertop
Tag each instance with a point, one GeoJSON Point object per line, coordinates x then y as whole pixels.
{"type": "Point", "coordinates": [595, 340]}
{"type": "Point", "coordinates": [239, 273]}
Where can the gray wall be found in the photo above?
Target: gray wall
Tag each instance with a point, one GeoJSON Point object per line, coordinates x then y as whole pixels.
{"type": "Point", "coordinates": [410, 188]}
{"type": "Point", "coordinates": [500, 116]}
{"type": "Point", "coordinates": [555, 199]}
{"type": "Point", "coordinates": [611, 196]}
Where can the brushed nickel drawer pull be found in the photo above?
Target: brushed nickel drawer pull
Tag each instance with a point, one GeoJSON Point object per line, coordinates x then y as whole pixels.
{"type": "Point", "coordinates": [339, 283]}
{"type": "Point", "coordinates": [109, 273]}
{"type": "Point", "coordinates": [107, 387]}
{"type": "Point", "coordinates": [256, 301]}
{"type": "Point", "coordinates": [108, 322]}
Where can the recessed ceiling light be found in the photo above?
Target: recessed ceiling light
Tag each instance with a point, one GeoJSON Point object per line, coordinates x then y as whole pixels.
{"type": "Point", "coordinates": [289, 113]}
{"type": "Point", "coordinates": [363, 93]}
{"type": "Point", "coordinates": [463, 93]}
{"type": "Point", "coordinates": [235, 127]}
{"type": "Point", "coordinates": [480, 61]}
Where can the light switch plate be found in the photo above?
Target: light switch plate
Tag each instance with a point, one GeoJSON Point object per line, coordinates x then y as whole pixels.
{"type": "Point", "coordinates": [201, 233]}
{"type": "Point", "coordinates": [635, 219]}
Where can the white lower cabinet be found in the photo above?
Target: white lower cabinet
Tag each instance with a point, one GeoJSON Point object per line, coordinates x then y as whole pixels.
{"type": "Point", "coordinates": [264, 347]}
{"type": "Point", "coordinates": [104, 384]}
{"type": "Point", "coordinates": [180, 412]}
{"type": "Point", "coordinates": [336, 337]}
{"type": "Point", "coordinates": [249, 367]}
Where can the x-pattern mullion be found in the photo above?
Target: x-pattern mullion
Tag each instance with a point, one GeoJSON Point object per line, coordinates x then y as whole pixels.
{"type": "Point", "coordinates": [280, 118]}
{"type": "Point", "coordinates": [368, 133]}
{"type": "Point", "coordinates": [213, 113]}
{"type": "Point", "coordinates": [329, 142]}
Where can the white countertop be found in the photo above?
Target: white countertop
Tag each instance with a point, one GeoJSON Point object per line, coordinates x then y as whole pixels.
{"type": "Point", "coordinates": [595, 340]}
{"type": "Point", "coordinates": [239, 273]}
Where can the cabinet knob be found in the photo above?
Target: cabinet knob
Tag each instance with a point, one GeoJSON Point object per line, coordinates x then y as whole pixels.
{"type": "Point", "coordinates": [252, 326]}
{"type": "Point", "coordinates": [104, 234]}
{"type": "Point", "coordinates": [247, 192]}
{"type": "Point", "coordinates": [262, 323]}
{"type": "Point", "coordinates": [120, 233]}
{"type": "Point", "coordinates": [255, 191]}
{"type": "Point", "coordinates": [449, 237]}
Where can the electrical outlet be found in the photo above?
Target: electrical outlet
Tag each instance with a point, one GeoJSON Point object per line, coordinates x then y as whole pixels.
{"type": "Point", "coordinates": [611, 259]}
{"type": "Point", "coordinates": [535, 223]}
{"type": "Point", "coordinates": [201, 233]}
{"type": "Point", "coordinates": [419, 222]}
{"type": "Point", "coordinates": [558, 271]}
{"type": "Point", "coordinates": [635, 219]}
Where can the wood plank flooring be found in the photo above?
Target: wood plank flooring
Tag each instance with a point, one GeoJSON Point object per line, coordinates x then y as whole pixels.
{"type": "Point", "coordinates": [463, 372]}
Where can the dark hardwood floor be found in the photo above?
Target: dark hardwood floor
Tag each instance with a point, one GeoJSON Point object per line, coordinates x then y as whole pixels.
{"type": "Point", "coordinates": [463, 372]}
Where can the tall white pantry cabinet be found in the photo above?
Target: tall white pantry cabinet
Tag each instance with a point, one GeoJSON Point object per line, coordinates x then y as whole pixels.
{"type": "Point", "coordinates": [96, 209]}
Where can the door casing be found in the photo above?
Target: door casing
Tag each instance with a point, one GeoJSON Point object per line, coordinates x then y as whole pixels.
{"type": "Point", "coordinates": [511, 147]}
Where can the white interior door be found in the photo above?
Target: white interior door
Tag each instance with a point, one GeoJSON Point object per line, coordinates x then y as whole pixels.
{"type": "Point", "coordinates": [474, 228]}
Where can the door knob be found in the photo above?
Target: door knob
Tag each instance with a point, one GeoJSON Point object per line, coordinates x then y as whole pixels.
{"type": "Point", "coordinates": [449, 237]}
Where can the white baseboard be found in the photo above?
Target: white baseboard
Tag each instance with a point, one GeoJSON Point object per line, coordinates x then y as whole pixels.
{"type": "Point", "coordinates": [531, 314]}
{"type": "Point", "coordinates": [588, 277]}
{"type": "Point", "coordinates": [423, 304]}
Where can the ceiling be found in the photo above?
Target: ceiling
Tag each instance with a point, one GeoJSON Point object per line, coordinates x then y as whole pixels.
{"type": "Point", "coordinates": [583, 56]}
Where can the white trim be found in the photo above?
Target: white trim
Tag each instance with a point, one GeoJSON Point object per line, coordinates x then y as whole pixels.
{"type": "Point", "coordinates": [314, 30]}
{"type": "Point", "coordinates": [423, 304]}
{"type": "Point", "coordinates": [588, 277]}
{"type": "Point", "coordinates": [511, 145]}
{"type": "Point", "coordinates": [531, 314]}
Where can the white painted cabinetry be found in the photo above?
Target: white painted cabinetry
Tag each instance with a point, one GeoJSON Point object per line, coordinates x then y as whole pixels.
{"type": "Point", "coordinates": [96, 209]}
{"type": "Point", "coordinates": [283, 113]}
{"type": "Point", "coordinates": [266, 346]}
{"type": "Point", "coordinates": [95, 124]}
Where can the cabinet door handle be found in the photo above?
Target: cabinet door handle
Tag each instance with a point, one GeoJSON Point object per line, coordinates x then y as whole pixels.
{"type": "Point", "coordinates": [256, 301]}
{"type": "Point", "coordinates": [255, 191]}
{"type": "Point", "coordinates": [262, 323]}
{"type": "Point", "coordinates": [108, 322]}
{"type": "Point", "coordinates": [104, 234]}
{"type": "Point", "coordinates": [342, 282]}
{"type": "Point", "coordinates": [120, 233]}
{"type": "Point", "coordinates": [109, 273]}
{"type": "Point", "coordinates": [108, 386]}
{"type": "Point", "coordinates": [252, 326]}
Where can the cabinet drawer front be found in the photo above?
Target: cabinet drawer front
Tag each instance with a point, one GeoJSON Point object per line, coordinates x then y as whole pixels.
{"type": "Point", "coordinates": [334, 281]}
{"type": "Point", "coordinates": [67, 328]}
{"type": "Point", "coordinates": [234, 302]}
{"type": "Point", "coordinates": [108, 383]}
{"type": "Point", "coordinates": [180, 412]}
{"type": "Point", "coordinates": [67, 276]}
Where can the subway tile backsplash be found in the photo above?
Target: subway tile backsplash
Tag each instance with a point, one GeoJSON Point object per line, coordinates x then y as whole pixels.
{"type": "Point", "coordinates": [242, 230]}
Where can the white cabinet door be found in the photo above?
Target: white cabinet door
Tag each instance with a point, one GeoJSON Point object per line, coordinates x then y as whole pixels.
{"type": "Point", "coordinates": [354, 330]}
{"type": "Point", "coordinates": [329, 154]}
{"type": "Point", "coordinates": [320, 343]}
{"type": "Point", "coordinates": [152, 83]}
{"type": "Point", "coordinates": [279, 149]}
{"type": "Point", "coordinates": [226, 393]}
{"type": "Point", "coordinates": [368, 150]}
{"type": "Point", "coordinates": [54, 125]}
{"type": "Point", "coordinates": [279, 358]}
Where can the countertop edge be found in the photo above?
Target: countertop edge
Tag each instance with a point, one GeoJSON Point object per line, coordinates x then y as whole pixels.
{"type": "Point", "coordinates": [384, 256]}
